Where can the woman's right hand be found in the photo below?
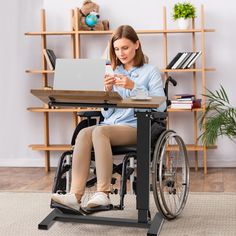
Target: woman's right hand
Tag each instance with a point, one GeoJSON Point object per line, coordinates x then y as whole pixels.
{"type": "Point", "coordinates": [109, 81]}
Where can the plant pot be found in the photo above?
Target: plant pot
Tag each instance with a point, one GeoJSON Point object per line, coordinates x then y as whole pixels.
{"type": "Point", "coordinates": [183, 23]}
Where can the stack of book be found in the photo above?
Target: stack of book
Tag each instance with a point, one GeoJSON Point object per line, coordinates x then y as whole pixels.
{"type": "Point", "coordinates": [183, 60]}
{"type": "Point", "coordinates": [50, 58]}
{"type": "Point", "coordinates": [185, 101]}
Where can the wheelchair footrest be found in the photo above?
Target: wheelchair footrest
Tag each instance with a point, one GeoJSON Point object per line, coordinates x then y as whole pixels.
{"type": "Point", "coordinates": [90, 210]}
{"type": "Point", "coordinates": [66, 209]}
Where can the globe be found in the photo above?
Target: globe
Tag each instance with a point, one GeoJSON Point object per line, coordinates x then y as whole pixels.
{"type": "Point", "coordinates": [91, 20]}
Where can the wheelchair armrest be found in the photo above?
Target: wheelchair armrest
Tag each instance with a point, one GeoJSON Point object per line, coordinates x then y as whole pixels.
{"type": "Point", "coordinates": [89, 114]}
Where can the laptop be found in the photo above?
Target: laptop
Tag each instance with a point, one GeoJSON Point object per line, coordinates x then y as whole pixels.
{"type": "Point", "coordinates": [79, 74]}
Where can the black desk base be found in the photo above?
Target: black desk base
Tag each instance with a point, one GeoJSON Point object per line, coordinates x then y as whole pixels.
{"type": "Point", "coordinates": [57, 215]}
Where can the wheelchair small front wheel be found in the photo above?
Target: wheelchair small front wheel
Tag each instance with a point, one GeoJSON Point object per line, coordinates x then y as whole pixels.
{"type": "Point", "coordinates": [170, 174]}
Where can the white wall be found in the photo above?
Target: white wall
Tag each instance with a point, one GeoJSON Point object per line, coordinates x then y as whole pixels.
{"type": "Point", "coordinates": [18, 52]}
{"type": "Point", "coordinates": [16, 55]}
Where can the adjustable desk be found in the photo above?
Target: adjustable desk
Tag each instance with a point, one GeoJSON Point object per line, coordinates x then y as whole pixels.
{"type": "Point", "coordinates": [61, 98]}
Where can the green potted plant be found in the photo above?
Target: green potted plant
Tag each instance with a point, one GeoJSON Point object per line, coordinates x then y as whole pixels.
{"type": "Point", "coordinates": [182, 13]}
{"type": "Point", "coordinates": [220, 117]}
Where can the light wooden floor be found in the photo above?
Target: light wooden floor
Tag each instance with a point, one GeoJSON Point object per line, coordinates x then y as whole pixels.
{"type": "Point", "coordinates": [35, 179]}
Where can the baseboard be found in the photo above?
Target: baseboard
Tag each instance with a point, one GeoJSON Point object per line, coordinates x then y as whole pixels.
{"type": "Point", "coordinates": [27, 162]}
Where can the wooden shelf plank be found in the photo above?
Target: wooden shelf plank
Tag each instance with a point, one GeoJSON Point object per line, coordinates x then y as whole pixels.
{"type": "Point", "coordinates": [188, 70]}
{"type": "Point", "coordinates": [111, 31]}
{"type": "Point", "coordinates": [161, 31]}
{"type": "Point", "coordinates": [65, 147]}
{"type": "Point", "coordinates": [54, 147]}
{"type": "Point", "coordinates": [188, 30]}
{"type": "Point", "coordinates": [191, 147]}
{"type": "Point", "coordinates": [185, 110]}
{"type": "Point", "coordinates": [50, 33]}
{"type": "Point", "coordinates": [43, 109]}
{"type": "Point", "coordinates": [40, 71]}
{"type": "Point", "coordinates": [162, 70]}
{"type": "Point", "coordinates": [173, 31]}
{"type": "Point", "coordinates": [73, 109]}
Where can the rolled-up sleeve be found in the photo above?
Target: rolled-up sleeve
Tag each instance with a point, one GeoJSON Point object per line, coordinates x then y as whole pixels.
{"type": "Point", "coordinates": [150, 82]}
{"type": "Point", "coordinates": [155, 86]}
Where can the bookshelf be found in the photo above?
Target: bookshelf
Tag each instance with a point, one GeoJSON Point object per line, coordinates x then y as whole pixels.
{"type": "Point", "coordinates": [75, 34]}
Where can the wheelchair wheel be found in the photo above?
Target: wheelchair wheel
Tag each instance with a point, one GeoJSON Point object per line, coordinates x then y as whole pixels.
{"type": "Point", "coordinates": [170, 174]}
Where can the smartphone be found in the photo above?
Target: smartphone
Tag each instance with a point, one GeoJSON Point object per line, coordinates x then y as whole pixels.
{"type": "Point", "coordinates": [109, 70]}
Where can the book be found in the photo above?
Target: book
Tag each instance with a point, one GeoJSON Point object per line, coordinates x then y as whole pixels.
{"type": "Point", "coordinates": [50, 58]}
{"type": "Point", "coordinates": [197, 103]}
{"type": "Point", "coordinates": [188, 104]}
{"type": "Point", "coordinates": [184, 54]}
{"type": "Point", "coordinates": [184, 66]}
{"type": "Point", "coordinates": [185, 99]}
{"type": "Point", "coordinates": [177, 56]}
{"type": "Point", "coordinates": [181, 105]}
{"type": "Point", "coordinates": [194, 59]}
{"type": "Point", "coordinates": [181, 101]}
{"type": "Point", "coordinates": [184, 60]}
{"type": "Point", "coordinates": [47, 59]}
{"type": "Point", "coordinates": [183, 95]}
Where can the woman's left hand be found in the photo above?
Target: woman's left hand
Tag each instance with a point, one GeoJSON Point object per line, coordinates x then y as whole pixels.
{"type": "Point", "coordinates": [123, 81]}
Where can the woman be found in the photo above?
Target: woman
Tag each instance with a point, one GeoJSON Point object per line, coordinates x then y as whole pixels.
{"type": "Point", "coordinates": [131, 75]}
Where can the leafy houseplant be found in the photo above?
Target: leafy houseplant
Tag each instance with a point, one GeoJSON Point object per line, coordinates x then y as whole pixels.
{"type": "Point", "coordinates": [220, 117]}
{"type": "Point", "coordinates": [183, 12]}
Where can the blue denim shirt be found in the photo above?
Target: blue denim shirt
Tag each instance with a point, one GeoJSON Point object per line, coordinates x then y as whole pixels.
{"type": "Point", "coordinates": [146, 78]}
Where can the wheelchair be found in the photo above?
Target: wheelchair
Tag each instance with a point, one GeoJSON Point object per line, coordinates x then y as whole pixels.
{"type": "Point", "coordinates": [169, 167]}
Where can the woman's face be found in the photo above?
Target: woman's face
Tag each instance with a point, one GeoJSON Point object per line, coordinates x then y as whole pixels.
{"type": "Point", "coordinates": [125, 51]}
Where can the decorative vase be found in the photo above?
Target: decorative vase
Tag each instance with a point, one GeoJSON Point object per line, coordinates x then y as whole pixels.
{"type": "Point", "coordinates": [184, 23]}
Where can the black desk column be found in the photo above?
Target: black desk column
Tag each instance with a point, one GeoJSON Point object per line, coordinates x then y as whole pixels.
{"type": "Point", "coordinates": [143, 161]}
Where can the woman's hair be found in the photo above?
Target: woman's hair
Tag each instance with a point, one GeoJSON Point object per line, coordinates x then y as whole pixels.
{"type": "Point", "coordinates": [126, 31]}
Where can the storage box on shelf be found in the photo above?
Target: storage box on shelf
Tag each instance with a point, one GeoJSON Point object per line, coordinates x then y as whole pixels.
{"type": "Point", "coordinates": [75, 34]}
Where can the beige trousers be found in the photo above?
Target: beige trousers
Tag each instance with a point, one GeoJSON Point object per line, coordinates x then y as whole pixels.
{"type": "Point", "coordinates": [101, 138]}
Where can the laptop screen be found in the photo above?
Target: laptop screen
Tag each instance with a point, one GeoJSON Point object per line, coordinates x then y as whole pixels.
{"type": "Point", "coordinates": [79, 74]}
